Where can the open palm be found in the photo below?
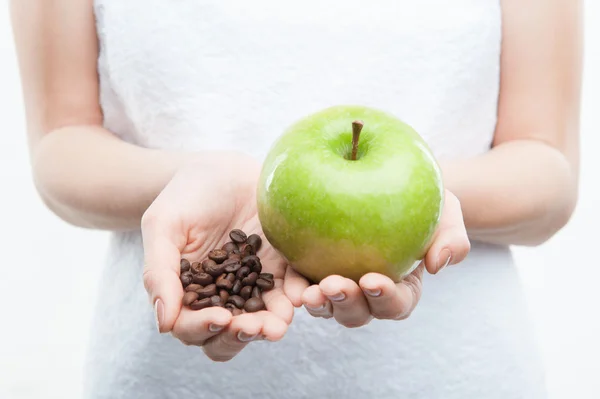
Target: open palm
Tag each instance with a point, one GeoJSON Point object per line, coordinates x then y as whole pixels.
{"type": "Point", "coordinates": [192, 216]}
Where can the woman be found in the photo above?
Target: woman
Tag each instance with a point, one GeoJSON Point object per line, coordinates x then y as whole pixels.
{"type": "Point", "coordinates": [159, 112]}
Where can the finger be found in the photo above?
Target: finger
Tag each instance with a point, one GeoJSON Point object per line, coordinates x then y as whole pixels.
{"type": "Point", "coordinates": [350, 307]}
{"type": "Point", "coordinates": [161, 273]}
{"type": "Point", "coordinates": [278, 303]}
{"type": "Point", "coordinates": [451, 243]}
{"type": "Point", "coordinates": [294, 286]}
{"type": "Point", "coordinates": [392, 301]}
{"type": "Point", "coordinates": [242, 330]}
{"type": "Point", "coordinates": [316, 303]}
{"type": "Point", "coordinates": [194, 327]}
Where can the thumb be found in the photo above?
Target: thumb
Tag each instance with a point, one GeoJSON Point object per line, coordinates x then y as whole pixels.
{"type": "Point", "coordinates": [161, 276]}
{"type": "Point", "coordinates": [451, 243]}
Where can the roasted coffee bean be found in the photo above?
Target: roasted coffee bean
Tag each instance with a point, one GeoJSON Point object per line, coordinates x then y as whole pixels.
{"type": "Point", "coordinates": [268, 276]}
{"type": "Point", "coordinates": [230, 307]}
{"type": "Point", "coordinates": [201, 304]}
{"type": "Point", "coordinates": [253, 262]}
{"type": "Point", "coordinates": [193, 287]}
{"type": "Point", "coordinates": [189, 298]}
{"type": "Point", "coordinates": [235, 257]}
{"type": "Point", "coordinates": [186, 279]}
{"type": "Point", "coordinates": [229, 247]}
{"type": "Point", "coordinates": [246, 249]}
{"type": "Point", "coordinates": [207, 291]}
{"type": "Point", "coordinates": [203, 279]}
{"type": "Point", "coordinates": [184, 265]}
{"type": "Point", "coordinates": [255, 241]}
{"type": "Point", "coordinates": [237, 300]}
{"type": "Point", "coordinates": [224, 284]}
{"type": "Point", "coordinates": [216, 300]}
{"type": "Point", "coordinates": [246, 292]}
{"type": "Point", "coordinates": [232, 266]}
{"type": "Point", "coordinates": [230, 277]}
{"type": "Point", "coordinates": [243, 272]}
{"type": "Point", "coordinates": [256, 292]}
{"type": "Point", "coordinates": [250, 279]}
{"type": "Point", "coordinates": [236, 311]}
{"type": "Point", "coordinates": [264, 284]}
{"type": "Point", "coordinates": [224, 295]}
{"type": "Point", "coordinates": [254, 305]}
{"type": "Point", "coordinates": [208, 263]}
{"type": "Point", "coordinates": [214, 269]}
{"type": "Point", "coordinates": [237, 287]}
{"type": "Point", "coordinates": [196, 267]}
{"type": "Point", "coordinates": [238, 236]}
{"type": "Point", "coordinates": [218, 255]}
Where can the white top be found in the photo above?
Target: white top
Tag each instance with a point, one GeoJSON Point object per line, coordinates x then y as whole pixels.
{"type": "Point", "coordinates": [207, 74]}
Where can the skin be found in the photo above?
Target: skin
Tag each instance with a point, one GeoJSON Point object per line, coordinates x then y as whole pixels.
{"type": "Point", "coordinates": [535, 145]}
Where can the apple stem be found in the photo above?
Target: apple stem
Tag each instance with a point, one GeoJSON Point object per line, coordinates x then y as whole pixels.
{"type": "Point", "coordinates": [356, 129]}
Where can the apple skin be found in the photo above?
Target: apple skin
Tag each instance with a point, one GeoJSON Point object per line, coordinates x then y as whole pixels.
{"type": "Point", "coordinates": [328, 214]}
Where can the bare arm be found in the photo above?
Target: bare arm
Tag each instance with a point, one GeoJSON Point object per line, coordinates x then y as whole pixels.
{"type": "Point", "coordinates": [84, 173]}
{"type": "Point", "coordinates": [525, 189]}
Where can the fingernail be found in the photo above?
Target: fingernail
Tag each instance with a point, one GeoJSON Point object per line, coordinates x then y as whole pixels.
{"type": "Point", "coordinates": [372, 292]}
{"type": "Point", "coordinates": [242, 336]}
{"type": "Point", "coordinates": [317, 309]}
{"type": "Point", "coordinates": [215, 328]}
{"type": "Point", "coordinates": [337, 297]}
{"type": "Point", "coordinates": [159, 311]}
{"type": "Point", "coordinates": [444, 259]}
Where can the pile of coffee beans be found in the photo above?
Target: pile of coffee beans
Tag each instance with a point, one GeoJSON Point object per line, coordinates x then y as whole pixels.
{"type": "Point", "coordinates": [231, 277]}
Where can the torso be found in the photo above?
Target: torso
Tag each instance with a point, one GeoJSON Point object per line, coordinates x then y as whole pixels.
{"type": "Point", "coordinates": [202, 75]}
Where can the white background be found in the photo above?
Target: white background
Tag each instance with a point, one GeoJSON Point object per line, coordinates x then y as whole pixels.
{"type": "Point", "coordinates": [48, 269]}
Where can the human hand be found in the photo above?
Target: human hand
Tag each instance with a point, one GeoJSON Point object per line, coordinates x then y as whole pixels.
{"type": "Point", "coordinates": [194, 214]}
{"type": "Point", "coordinates": [376, 295]}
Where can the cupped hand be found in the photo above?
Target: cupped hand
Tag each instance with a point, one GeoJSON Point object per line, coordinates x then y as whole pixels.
{"type": "Point", "coordinates": [376, 295]}
{"type": "Point", "coordinates": [194, 214]}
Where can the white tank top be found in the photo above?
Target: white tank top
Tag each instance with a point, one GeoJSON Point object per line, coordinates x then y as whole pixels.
{"type": "Point", "coordinates": [207, 74]}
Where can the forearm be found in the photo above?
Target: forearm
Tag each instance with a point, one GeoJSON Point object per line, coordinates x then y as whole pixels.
{"type": "Point", "coordinates": [90, 178]}
{"type": "Point", "coordinates": [519, 193]}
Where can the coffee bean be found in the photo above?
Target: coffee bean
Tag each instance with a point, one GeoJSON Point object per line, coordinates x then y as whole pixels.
{"type": "Point", "coordinates": [224, 284]}
{"type": "Point", "coordinates": [237, 300]}
{"type": "Point", "coordinates": [184, 265]}
{"type": "Point", "coordinates": [238, 236]}
{"type": "Point", "coordinates": [236, 257]}
{"type": "Point", "coordinates": [237, 287]}
{"type": "Point", "coordinates": [230, 277]}
{"type": "Point", "coordinates": [189, 298]}
{"type": "Point", "coordinates": [264, 284]}
{"type": "Point", "coordinates": [255, 241]}
{"type": "Point", "coordinates": [224, 295]}
{"type": "Point", "coordinates": [246, 249]}
{"type": "Point", "coordinates": [214, 269]}
{"type": "Point", "coordinates": [216, 300]}
{"type": "Point", "coordinates": [186, 279]}
{"type": "Point", "coordinates": [246, 292]}
{"type": "Point", "coordinates": [208, 263]}
{"type": "Point", "coordinates": [236, 311]}
{"type": "Point", "coordinates": [203, 279]}
{"type": "Point", "coordinates": [253, 262]}
{"type": "Point", "coordinates": [250, 279]}
{"type": "Point", "coordinates": [232, 266]}
{"type": "Point", "coordinates": [201, 304]}
{"type": "Point", "coordinates": [193, 287]}
{"type": "Point", "coordinates": [243, 272]}
{"type": "Point", "coordinates": [218, 255]}
{"type": "Point", "coordinates": [256, 292]}
{"type": "Point", "coordinates": [254, 305]}
{"type": "Point", "coordinates": [268, 276]}
{"type": "Point", "coordinates": [196, 267]}
{"type": "Point", "coordinates": [230, 307]}
{"type": "Point", "coordinates": [207, 291]}
{"type": "Point", "coordinates": [229, 247]}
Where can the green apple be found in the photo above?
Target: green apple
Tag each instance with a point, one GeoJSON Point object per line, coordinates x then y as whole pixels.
{"type": "Point", "coordinates": [328, 213]}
